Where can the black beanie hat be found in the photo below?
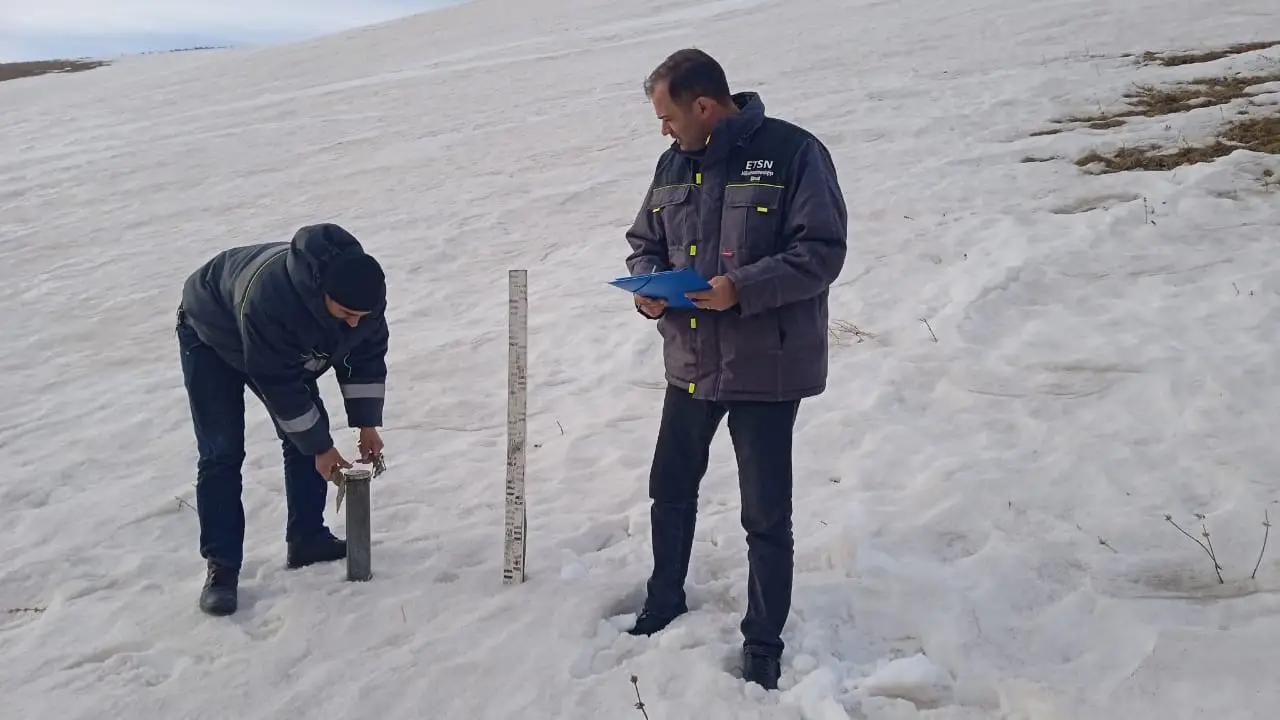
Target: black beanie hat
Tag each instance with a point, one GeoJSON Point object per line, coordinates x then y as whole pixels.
{"type": "Point", "coordinates": [356, 282]}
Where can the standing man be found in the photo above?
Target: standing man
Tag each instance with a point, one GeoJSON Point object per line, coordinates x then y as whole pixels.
{"type": "Point", "coordinates": [274, 317]}
{"type": "Point", "coordinates": [753, 204]}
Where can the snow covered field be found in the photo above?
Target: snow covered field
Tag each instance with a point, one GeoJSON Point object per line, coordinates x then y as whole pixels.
{"type": "Point", "coordinates": [1105, 354]}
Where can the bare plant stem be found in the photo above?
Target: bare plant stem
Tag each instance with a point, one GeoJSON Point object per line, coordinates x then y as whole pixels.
{"type": "Point", "coordinates": [1208, 541]}
{"type": "Point", "coordinates": [1266, 523]}
{"type": "Point", "coordinates": [931, 334]}
{"type": "Point", "coordinates": [1217, 569]}
{"type": "Point", "coordinates": [635, 681]}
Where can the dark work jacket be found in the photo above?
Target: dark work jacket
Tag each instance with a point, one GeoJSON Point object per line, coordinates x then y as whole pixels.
{"type": "Point", "coordinates": [761, 205]}
{"type": "Point", "coordinates": [261, 308]}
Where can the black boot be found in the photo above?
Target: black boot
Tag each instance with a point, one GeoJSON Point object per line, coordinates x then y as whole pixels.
{"type": "Point", "coordinates": [219, 595]}
{"type": "Point", "coordinates": [321, 548]}
{"type": "Point", "coordinates": [763, 670]}
{"type": "Point", "coordinates": [651, 622]}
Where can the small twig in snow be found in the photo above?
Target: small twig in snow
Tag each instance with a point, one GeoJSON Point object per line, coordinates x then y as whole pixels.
{"type": "Point", "coordinates": [926, 324]}
{"type": "Point", "coordinates": [1205, 531]}
{"type": "Point", "coordinates": [1216, 567]}
{"type": "Point", "coordinates": [839, 329]}
{"type": "Point", "coordinates": [18, 610]}
{"type": "Point", "coordinates": [1266, 523]}
{"type": "Point", "coordinates": [560, 426]}
{"type": "Point", "coordinates": [183, 503]}
{"type": "Point", "coordinates": [1107, 545]}
{"type": "Point", "coordinates": [639, 703]}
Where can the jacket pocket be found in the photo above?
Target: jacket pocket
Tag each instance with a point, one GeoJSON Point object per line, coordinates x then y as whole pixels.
{"type": "Point", "coordinates": [751, 354]}
{"type": "Point", "coordinates": [679, 345]}
{"type": "Point", "coordinates": [673, 205]}
{"type": "Point", "coordinates": [749, 229]}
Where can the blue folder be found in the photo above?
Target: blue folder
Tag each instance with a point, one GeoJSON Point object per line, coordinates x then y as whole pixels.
{"type": "Point", "coordinates": [670, 285]}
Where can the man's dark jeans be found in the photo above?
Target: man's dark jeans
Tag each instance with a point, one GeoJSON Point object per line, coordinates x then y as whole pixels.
{"type": "Point", "coordinates": [215, 391]}
{"type": "Point", "coordinates": [762, 440]}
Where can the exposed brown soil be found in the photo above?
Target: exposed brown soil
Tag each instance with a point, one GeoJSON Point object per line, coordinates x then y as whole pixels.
{"type": "Point", "coordinates": [15, 70]}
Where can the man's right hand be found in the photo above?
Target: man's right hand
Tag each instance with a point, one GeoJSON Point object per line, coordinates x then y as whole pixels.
{"type": "Point", "coordinates": [329, 461]}
{"type": "Point", "coordinates": [651, 307]}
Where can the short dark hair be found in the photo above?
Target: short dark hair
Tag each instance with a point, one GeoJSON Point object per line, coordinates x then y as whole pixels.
{"type": "Point", "coordinates": [690, 74]}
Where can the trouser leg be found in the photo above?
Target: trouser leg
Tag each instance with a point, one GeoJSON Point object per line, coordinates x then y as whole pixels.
{"type": "Point", "coordinates": [680, 461]}
{"type": "Point", "coordinates": [305, 489]}
{"type": "Point", "coordinates": [762, 440]}
{"type": "Point", "coordinates": [215, 393]}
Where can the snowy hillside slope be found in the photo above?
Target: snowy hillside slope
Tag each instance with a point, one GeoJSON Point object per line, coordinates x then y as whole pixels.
{"type": "Point", "coordinates": [1047, 362]}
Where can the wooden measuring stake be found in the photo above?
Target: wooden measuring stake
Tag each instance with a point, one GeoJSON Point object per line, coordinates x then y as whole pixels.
{"type": "Point", "coordinates": [359, 540]}
{"type": "Point", "coordinates": [517, 403]}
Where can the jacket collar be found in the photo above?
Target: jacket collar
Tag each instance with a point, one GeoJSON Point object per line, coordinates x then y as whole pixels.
{"type": "Point", "coordinates": [733, 130]}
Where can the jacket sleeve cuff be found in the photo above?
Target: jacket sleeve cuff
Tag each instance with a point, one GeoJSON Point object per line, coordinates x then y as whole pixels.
{"type": "Point", "coordinates": [364, 412]}
{"type": "Point", "coordinates": [752, 297]}
{"type": "Point", "coordinates": [650, 317]}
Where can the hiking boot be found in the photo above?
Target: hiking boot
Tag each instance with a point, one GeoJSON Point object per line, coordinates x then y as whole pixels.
{"type": "Point", "coordinates": [321, 548]}
{"type": "Point", "coordinates": [763, 670]}
{"type": "Point", "coordinates": [219, 594]}
{"type": "Point", "coordinates": [651, 622]}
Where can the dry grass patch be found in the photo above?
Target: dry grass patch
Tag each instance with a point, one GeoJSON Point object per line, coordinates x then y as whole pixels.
{"type": "Point", "coordinates": [1169, 59]}
{"type": "Point", "coordinates": [1153, 157]}
{"type": "Point", "coordinates": [1259, 134]}
{"type": "Point", "coordinates": [1249, 130]}
{"type": "Point", "coordinates": [13, 71]}
{"type": "Point", "coordinates": [1153, 101]}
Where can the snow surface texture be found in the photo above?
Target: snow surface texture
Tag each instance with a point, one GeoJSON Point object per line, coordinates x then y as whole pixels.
{"type": "Point", "coordinates": [1105, 353]}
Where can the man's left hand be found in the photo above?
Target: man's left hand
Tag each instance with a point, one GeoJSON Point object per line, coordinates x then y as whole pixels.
{"type": "Point", "coordinates": [722, 295]}
{"type": "Point", "coordinates": [370, 444]}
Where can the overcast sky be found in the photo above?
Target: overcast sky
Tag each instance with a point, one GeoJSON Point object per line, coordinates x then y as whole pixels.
{"type": "Point", "coordinates": [41, 29]}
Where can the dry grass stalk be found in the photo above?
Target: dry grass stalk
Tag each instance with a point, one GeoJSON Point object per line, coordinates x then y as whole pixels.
{"type": "Point", "coordinates": [639, 703]}
{"type": "Point", "coordinates": [1217, 568]}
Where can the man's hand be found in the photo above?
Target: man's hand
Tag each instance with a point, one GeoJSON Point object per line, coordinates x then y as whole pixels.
{"type": "Point", "coordinates": [722, 295]}
{"type": "Point", "coordinates": [329, 461]}
{"type": "Point", "coordinates": [370, 444]}
{"type": "Point", "coordinates": [651, 307]}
